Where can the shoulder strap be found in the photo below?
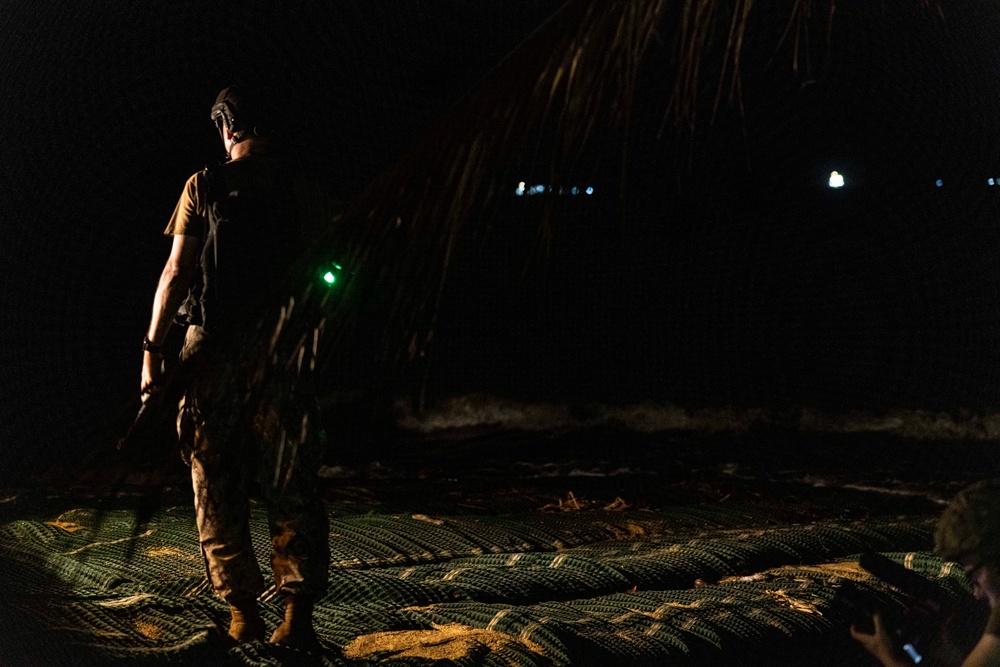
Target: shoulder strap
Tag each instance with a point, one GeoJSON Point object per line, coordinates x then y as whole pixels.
{"type": "Point", "coordinates": [215, 187]}
{"type": "Point", "coordinates": [215, 197]}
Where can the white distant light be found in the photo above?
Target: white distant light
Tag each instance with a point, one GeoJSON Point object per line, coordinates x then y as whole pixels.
{"type": "Point", "coordinates": [836, 179]}
{"type": "Point", "coordinates": [523, 189]}
{"type": "Point", "coordinates": [991, 181]}
{"type": "Point", "coordinates": [939, 182]}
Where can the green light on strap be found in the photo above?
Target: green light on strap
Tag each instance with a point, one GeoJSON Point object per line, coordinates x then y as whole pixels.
{"type": "Point", "coordinates": [331, 274]}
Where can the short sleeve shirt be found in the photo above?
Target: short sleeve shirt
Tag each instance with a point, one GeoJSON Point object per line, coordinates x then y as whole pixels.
{"type": "Point", "coordinates": [315, 206]}
{"type": "Point", "coordinates": [189, 218]}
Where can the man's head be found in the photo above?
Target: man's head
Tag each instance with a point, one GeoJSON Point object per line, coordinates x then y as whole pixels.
{"type": "Point", "coordinates": [239, 114]}
{"type": "Point", "coordinates": [969, 532]}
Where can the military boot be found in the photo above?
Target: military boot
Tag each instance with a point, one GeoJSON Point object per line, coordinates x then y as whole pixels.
{"type": "Point", "coordinates": [246, 624]}
{"type": "Point", "coordinates": [296, 631]}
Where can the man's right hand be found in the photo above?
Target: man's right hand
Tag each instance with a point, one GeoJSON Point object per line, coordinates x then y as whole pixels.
{"type": "Point", "coordinates": [152, 371]}
{"type": "Point", "coordinates": [879, 643]}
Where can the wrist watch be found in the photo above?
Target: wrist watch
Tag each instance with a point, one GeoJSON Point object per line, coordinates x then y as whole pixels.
{"type": "Point", "coordinates": [147, 346]}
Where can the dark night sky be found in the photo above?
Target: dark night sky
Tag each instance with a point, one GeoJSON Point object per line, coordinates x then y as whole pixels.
{"type": "Point", "coordinates": [104, 114]}
{"type": "Point", "coordinates": [762, 287]}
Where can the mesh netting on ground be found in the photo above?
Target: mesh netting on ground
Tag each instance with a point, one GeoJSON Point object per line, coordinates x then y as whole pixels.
{"type": "Point", "coordinates": [704, 584]}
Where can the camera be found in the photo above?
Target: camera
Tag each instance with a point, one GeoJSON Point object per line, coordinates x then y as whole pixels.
{"type": "Point", "coordinates": [916, 627]}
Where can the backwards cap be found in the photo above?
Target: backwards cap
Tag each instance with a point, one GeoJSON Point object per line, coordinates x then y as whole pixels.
{"type": "Point", "coordinates": [239, 111]}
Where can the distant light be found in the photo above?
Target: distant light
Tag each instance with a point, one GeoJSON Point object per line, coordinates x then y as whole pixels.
{"type": "Point", "coordinates": [991, 181]}
{"type": "Point", "coordinates": [523, 189]}
{"type": "Point", "coordinates": [939, 182]}
{"type": "Point", "coordinates": [329, 278]}
{"type": "Point", "coordinates": [836, 179]}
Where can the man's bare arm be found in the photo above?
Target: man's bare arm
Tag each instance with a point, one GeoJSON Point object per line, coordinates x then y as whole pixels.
{"type": "Point", "coordinates": [170, 293]}
{"type": "Point", "coordinates": [879, 643]}
{"type": "Point", "coordinates": [986, 653]}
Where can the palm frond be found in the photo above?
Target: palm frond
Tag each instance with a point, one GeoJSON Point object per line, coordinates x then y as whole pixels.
{"type": "Point", "coordinates": [575, 78]}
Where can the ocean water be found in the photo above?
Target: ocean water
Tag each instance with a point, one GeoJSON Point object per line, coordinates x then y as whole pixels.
{"type": "Point", "coordinates": [490, 412]}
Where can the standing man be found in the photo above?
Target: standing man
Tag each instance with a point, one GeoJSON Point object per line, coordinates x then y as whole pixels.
{"type": "Point", "coordinates": [968, 532]}
{"type": "Point", "coordinates": [249, 421]}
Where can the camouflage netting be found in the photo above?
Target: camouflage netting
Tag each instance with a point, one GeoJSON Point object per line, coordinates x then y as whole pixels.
{"type": "Point", "coordinates": [688, 585]}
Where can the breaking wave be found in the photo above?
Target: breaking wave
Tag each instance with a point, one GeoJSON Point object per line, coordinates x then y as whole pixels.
{"type": "Point", "coordinates": [489, 412]}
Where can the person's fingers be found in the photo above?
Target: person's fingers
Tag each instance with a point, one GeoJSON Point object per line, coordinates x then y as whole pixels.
{"type": "Point", "coordinates": [146, 391]}
{"type": "Point", "coordinates": [879, 625]}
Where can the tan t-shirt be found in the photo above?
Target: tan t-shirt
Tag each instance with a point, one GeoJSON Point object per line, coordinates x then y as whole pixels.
{"type": "Point", "coordinates": [189, 218]}
{"type": "Point", "coordinates": [316, 207]}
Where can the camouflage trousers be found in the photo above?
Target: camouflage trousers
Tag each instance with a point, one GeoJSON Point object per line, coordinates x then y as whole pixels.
{"type": "Point", "coordinates": [244, 441]}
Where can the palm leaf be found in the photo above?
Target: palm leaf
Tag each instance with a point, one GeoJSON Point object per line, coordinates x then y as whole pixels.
{"type": "Point", "coordinates": [572, 83]}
